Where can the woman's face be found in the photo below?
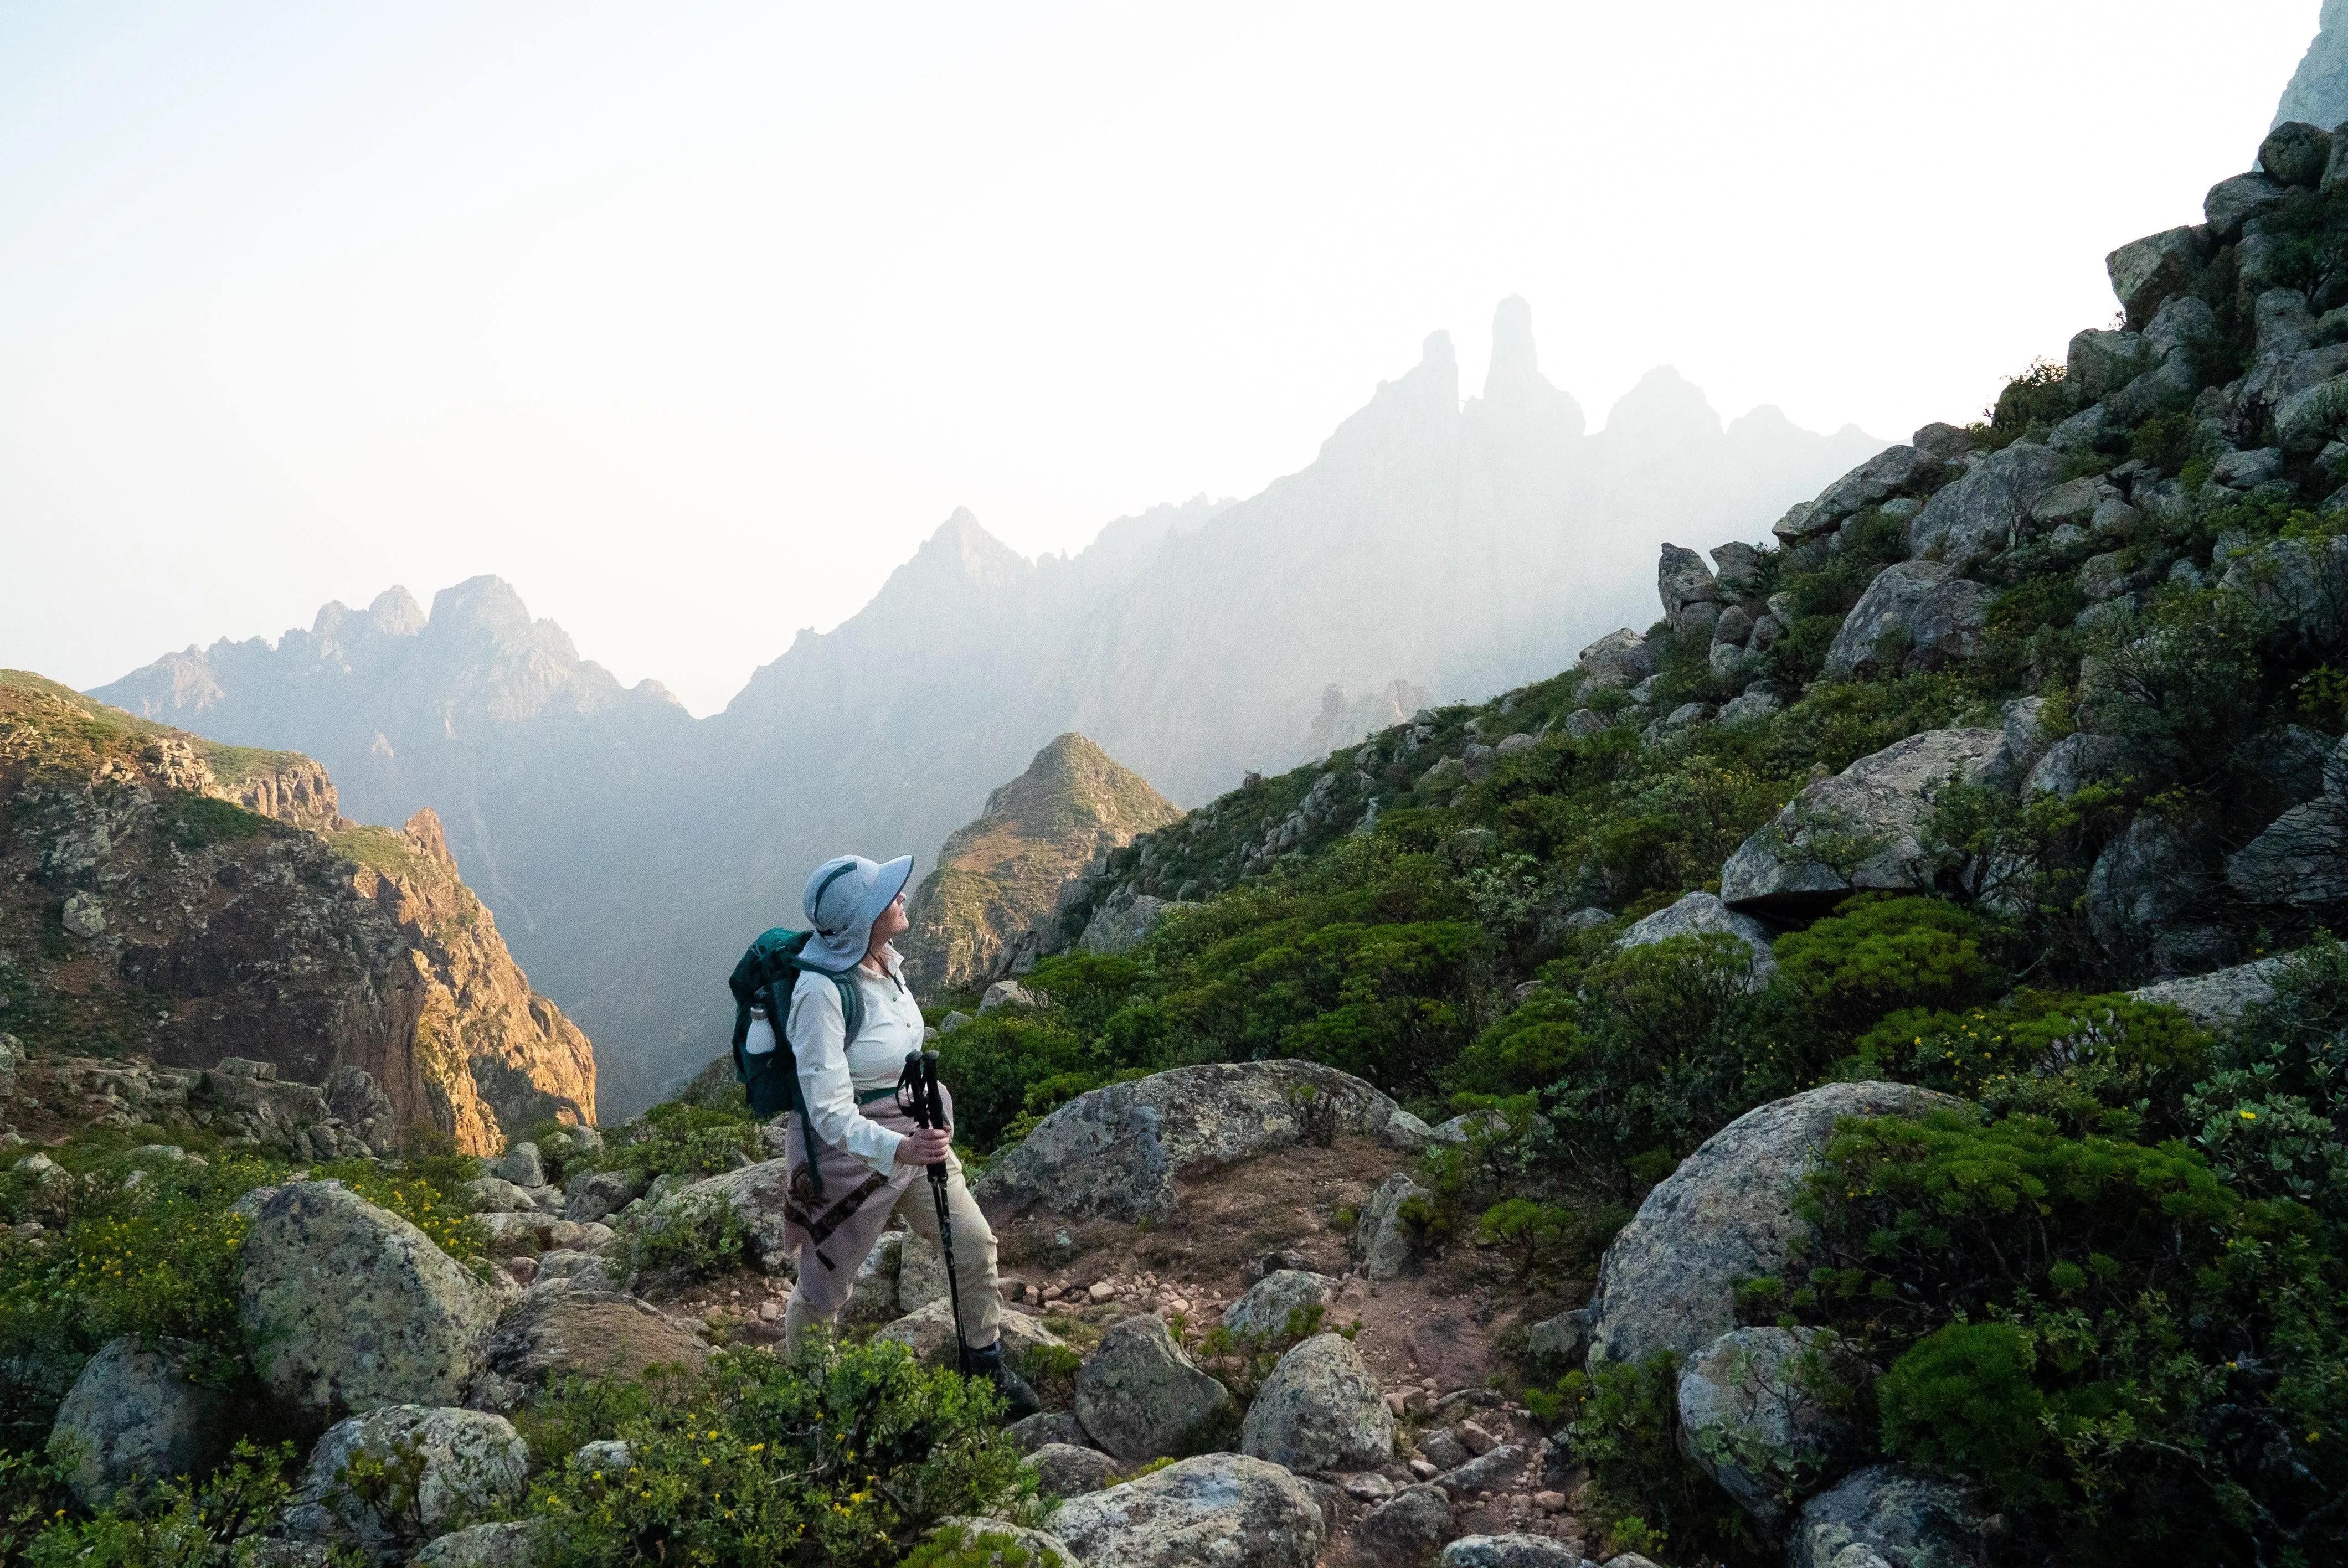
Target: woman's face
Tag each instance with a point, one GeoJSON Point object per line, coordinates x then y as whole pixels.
{"type": "Point", "coordinates": [890, 923]}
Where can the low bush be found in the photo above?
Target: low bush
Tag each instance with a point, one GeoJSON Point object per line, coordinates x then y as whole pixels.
{"type": "Point", "coordinates": [840, 1462]}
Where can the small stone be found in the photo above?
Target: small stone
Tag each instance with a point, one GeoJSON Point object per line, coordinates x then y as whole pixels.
{"type": "Point", "coordinates": [1102, 1291]}
{"type": "Point", "coordinates": [1549, 1502]}
{"type": "Point", "coordinates": [1475, 1438]}
{"type": "Point", "coordinates": [1424, 1470]}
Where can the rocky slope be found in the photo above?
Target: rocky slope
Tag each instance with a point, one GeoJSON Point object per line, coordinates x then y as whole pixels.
{"type": "Point", "coordinates": [2317, 93]}
{"type": "Point", "coordinates": [1000, 873]}
{"type": "Point", "coordinates": [168, 899]}
{"type": "Point", "coordinates": [1431, 546]}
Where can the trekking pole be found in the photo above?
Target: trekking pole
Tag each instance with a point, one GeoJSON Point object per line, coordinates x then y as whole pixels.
{"type": "Point", "coordinates": [929, 1111]}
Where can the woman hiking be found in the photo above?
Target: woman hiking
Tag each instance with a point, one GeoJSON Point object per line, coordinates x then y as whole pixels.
{"type": "Point", "coordinates": [868, 1152]}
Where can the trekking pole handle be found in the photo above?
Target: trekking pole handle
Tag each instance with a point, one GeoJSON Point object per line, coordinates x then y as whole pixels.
{"type": "Point", "coordinates": [929, 1097]}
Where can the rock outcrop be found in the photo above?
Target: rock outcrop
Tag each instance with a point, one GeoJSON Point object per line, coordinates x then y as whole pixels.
{"type": "Point", "coordinates": [1140, 1396]}
{"type": "Point", "coordinates": [1320, 1411]}
{"type": "Point", "coordinates": [1116, 1151]}
{"type": "Point", "coordinates": [1890, 1514]}
{"type": "Point", "coordinates": [1219, 1510]}
{"type": "Point", "coordinates": [466, 1463]}
{"type": "Point", "coordinates": [1701, 914]}
{"type": "Point", "coordinates": [350, 1307]}
{"type": "Point", "coordinates": [1728, 1213]}
{"type": "Point", "coordinates": [1003, 874]}
{"type": "Point", "coordinates": [134, 1415]}
{"type": "Point", "coordinates": [1866, 829]}
{"type": "Point", "coordinates": [296, 939]}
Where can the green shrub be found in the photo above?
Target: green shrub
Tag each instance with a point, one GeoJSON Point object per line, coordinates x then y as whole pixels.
{"type": "Point", "coordinates": [218, 1523]}
{"type": "Point", "coordinates": [1622, 1422]}
{"type": "Point", "coordinates": [760, 1462]}
{"type": "Point", "coordinates": [2093, 1063]}
{"type": "Point", "coordinates": [1876, 953]}
{"type": "Point", "coordinates": [428, 1193]}
{"type": "Point", "coordinates": [2038, 398]}
{"type": "Point", "coordinates": [1961, 1398]}
{"type": "Point", "coordinates": [681, 1139]}
{"type": "Point", "coordinates": [1531, 1232]}
{"type": "Point", "coordinates": [701, 1237]}
{"type": "Point", "coordinates": [158, 1259]}
{"type": "Point", "coordinates": [199, 822]}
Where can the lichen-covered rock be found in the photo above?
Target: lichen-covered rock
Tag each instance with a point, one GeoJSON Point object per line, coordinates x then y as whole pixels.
{"type": "Point", "coordinates": [1382, 1241]}
{"type": "Point", "coordinates": [1262, 1310]}
{"type": "Point", "coordinates": [1406, 1529]}
{"type": "Point", "coordinates": [1509, 1552]}
{"type": "Point", "coordinates": [755, 1193]}
{"type": "Point", "coordinates": [1863, 830]}
{"type": "Point", "coordinates": [1483, 1472]}
{"type": "Point", "coordinates": [1915, 615]}
{"type": "Point", "coordinates": [593, 1195]}
{"type": "Point", "coordinates": [2222, 996]}
{"type": "Point", "coordinates": [350, 1307]}
{"type": "Point", "coordinates": [1703, 914]}
{"type": "Point", "coordinates": [1072, 1470]}
{"type": "Point", "coordinates": [1140, 1396]}
{"type": "Point", "coordinates": [465, 1463]}
{"type": "Point", "coordinates": [1007, 1545]}
{"type": "Point", "coordinates": [1218, 1511]}
{"type": "Point", "coordinates": [1116, 1151]}
{"type": "Point", "coordinates": [2296, 153]}
{"type": "Point", "coordinates": [2145, 272]}
{"type": "Point", "coordinates": [1616, 659]}
{"type": "Point", "coordinates": [496, 1195]}
{"type": "Point", "coordinates": [1320, 1411]}
{"type": "Point", "coordinates": [1974, 518]}
{"type": "Point", "coordinates": [1888, 1516]}
{"type": "Point", "coordinates": [1755, 1414]}
{"type": "Point", "coordinates": [134, 1414]}
{"type": "Point", "coordinates": [1034, 1432]}
{"type": "Point", "coordinates": [521, 1165]}
{"type": "Point", "coordinates": [2145, 882]}
{"type": "Point", "coordinates": [1726, 1215]}
{"type": "Point", "coordinates": [2301, 586]}
{"type": "Point", "coordinates": [510, 1543]}
{"type": "Point", "coordinates": [598, 1333]}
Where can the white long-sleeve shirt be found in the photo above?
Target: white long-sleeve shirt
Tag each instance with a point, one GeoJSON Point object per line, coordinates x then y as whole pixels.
{"type": "Point", "coordinates": [832, 1079]}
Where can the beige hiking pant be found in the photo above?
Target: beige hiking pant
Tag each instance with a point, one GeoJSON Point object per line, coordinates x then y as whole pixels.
{"type": "Point", "coordinates": [834, 1234]}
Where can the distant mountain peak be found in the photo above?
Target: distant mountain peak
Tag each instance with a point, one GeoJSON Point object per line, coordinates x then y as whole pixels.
{"type": "Point", "coordinates": [1003, 873]}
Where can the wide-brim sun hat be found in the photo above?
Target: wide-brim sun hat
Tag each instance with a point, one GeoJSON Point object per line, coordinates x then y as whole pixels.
{"type": "Point", "coordinates": [843, 899]}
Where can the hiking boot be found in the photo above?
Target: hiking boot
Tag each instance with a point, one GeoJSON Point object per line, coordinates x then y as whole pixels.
{"type": "Point", "coordinates": [1016, 1394]}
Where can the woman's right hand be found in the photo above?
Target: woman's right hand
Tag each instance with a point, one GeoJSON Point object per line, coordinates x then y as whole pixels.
{"type": "Point", "coordinates": [924, 1146]}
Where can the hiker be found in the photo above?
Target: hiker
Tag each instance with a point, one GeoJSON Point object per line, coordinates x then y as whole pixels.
{"type": "Point", "coordinates": [868, 1156]}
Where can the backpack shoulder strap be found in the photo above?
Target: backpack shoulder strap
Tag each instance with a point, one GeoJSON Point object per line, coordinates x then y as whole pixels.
{"type": "Point", "coordinates": [851, 1008]}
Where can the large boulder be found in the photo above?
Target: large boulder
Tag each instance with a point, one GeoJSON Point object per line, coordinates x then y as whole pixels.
{"type": "Point", "coordinates": [1509, 1552]}
{"type": "Point", "coordinates": [1140, 1397]}
{"type": "Point", "coordinates": [2145, 272]}
{"type": "Point", "coordinates": [1894, 471]}
{"type": "Point", "coordinates": [2234, 201]}
{"type": "Point", "coordinates": [1728, 1213]}
{"type": "Point", "coordinates": [1406, 1529]}
{"type": "Point", "coordinates": [2300, 858]}
{"type": "Point", "coordinates": [598, 1333]}
{"type": "Point", "coordinates": [1218, 1511]}
{"type": "Point", "coordinates": [1071, 1469]}
{"type": "Point", "coordinates": [1755, 1414]}
{"type": "Point", "coordinates": [1888, 1516]}
{"type": "Point", "coordinates": [1863, 830]}
{"type": "Point", "coordinates": [1685, 583]}
{"type": "Point", "coordinates": [2301, 586]}
{"type": "Point", "coordinates": [1915, 615]}
{"type": "Point", "coordinates": [593, 1195]}
{"type": "Point", "coordinates": [1262, 1310]}
{"type": "Point", "coordinates": [1121, 925]}
{"type": "Point", "coordinates": [1116, 1151]}
{"type": "Point", "coordinates": [2296, 153]}
{"type": "Point", "coordinates": [507, 1543]}
{"type": "Point", "coordinates": [1974, 518]}
{"type": "Point", "coordinates": [1703, 914]}
{"type": "Point", "coordinates": [135, 1414]}
{"type": "Point", "coordinates": [463, 1463]}
{"type": "Point", "coordinates": [2147, 881]}
{"type": "Point", "coordinates": [1320, 1411]}
{"type": "Point", "coordinates": [351, 1308]}
{"type": "Point", "coordinates": [1616, 659]}
{"type": "Point", "coordinates": [2220, 997]}
{"type": "Point", "coordinates": [756, 1193]}
{"type": "Point", "coordinates": [1382, 1240]}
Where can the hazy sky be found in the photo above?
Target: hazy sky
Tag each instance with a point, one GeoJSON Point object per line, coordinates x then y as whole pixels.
{"type": "Point", "coordinates": [692, 320]}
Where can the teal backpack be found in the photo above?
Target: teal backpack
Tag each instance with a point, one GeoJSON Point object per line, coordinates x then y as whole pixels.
{"type": "Point", "coordinates": [765, 978]}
